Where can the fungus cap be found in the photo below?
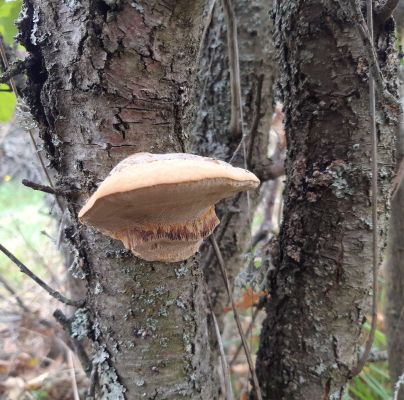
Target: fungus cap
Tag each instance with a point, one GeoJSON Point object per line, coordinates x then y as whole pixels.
{"type": "Point", "coordinates": [161, 206]}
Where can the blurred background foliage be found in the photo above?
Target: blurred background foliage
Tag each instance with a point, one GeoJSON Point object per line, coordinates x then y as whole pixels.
{"type": "Point", "coordinates": [28, 229]}
{"type": "Point", "coordinates": [9, 11]}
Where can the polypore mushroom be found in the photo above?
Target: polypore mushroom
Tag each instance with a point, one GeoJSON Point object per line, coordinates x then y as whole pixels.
{"type": "Point", "coordinates": [161, 206]}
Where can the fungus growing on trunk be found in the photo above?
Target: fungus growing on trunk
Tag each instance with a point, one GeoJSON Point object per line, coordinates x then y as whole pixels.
{"type": "Point", "coordinates": [161, 206]}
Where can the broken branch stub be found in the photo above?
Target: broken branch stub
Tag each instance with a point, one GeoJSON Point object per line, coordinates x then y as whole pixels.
{"type": "Point", "coordinates": [161, 206]}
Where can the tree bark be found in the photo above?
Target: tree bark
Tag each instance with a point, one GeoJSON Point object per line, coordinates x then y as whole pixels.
{"type": "Point", "coordinates": [394, 273]}
{"type": "Point", "coordinates": [321, 287]}
{"type": "Point", "coordinates": [211, 136]}
{"type": "Point", "coordinates": [111, 78]}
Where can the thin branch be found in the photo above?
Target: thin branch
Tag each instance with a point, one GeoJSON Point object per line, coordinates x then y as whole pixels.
{"type": "Point", "coordinates": [3, 55]}
{"type": "Point", "coordinates": [93, 382]}
{"type": "Point", "coordinates": [247, 333]}
{"type": "Point", "coordinates": [355, 13]}
{"type": "Point", "coordinates": [385, 10]}
{"type": "Point", "coordinates": [14, 69]}
{"type": "Point", "coordinates": [270, 170]}
{"type": "Point", "coordinates": [398, 385]}
{"type": "Point", "coordinates": [236, 317]}
{"type": "Point", "coordinates": [73, 374]}
{"type": "Point", "coordinates": [14, 294]}
{"type": "Point", "coordinates": [378, 356]}
{"type": "Point", "coordinates": [206, 27]}
{"type": "Point", "coordinates": [236, 119]}
{"type": "Point", "coordinates": [375, 247]}
{"type": "Point", "coordinates": [225, 364]}
{"type": "Point", "coordinates": [45, 189]}
{"type": "Point", "coordinates": [54, 293]}
{"type": "Point", "coordinates": [14, 88]}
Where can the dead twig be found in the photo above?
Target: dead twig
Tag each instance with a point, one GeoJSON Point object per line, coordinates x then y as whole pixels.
{"type": "Point", "coordinates": [16, 68]}
{"type": "Point", "coordinates": [247, 333]}
{"type": "Point", "coordinates": [93, 382]}
{"type": "Point", "coordinates": [14, 88]}
{"type": "Point", "coordinates": [236, 119]}
{"type": "Point", "coordinates": [45, 189]}
{"type": "Point", "coordinates": [14, 294]}
{"type": "Point", "coordinates": [236, 317]}
{"type": "Point", "coordinates": [384, 10]}
{"type": "Point", "coordinates": [3, 55]}
{"type": "Point", "coordinates": [225, 364]}
{"type": "Point", "coordinates": [54, 293]}
{"type": "Point", "coordinates": [353, 11]}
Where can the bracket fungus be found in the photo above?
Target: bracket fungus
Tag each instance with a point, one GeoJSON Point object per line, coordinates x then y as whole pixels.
{"type": "Point", "coordinates": [161, 206]}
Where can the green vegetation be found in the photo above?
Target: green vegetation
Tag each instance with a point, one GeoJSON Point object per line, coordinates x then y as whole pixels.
{"type": "Point", "coordinates": [24, 215]}
{"type": "Point", "coordinates": [9, 11]}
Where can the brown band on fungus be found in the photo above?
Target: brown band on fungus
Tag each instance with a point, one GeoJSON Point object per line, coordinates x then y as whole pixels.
{"type": "Point", "coordinates": [196, 229]}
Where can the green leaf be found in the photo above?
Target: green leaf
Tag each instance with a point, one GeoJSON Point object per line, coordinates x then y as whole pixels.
{"type": "Point", "coordinates": [9, 11]}
{"type": "Point", "coordinates": [7, 104]}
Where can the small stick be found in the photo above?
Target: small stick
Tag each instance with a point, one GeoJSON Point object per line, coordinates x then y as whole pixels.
{"type": "Point", "coordinates": [14, 294]}
{"type": "Point", "coordinates": [54, 293]}
{"type": "Point", "coordinates": [45, 188]}
{"type": "Point", "coordinates": [93, 382]}
{"type": "Point", "coordinates": [367, 35]}
{"type": "Point", "coordinates": [14, 88]}
{"type": "Point", "coordinates": [385, 10]}
{"type": "Point", "coordinates": [236, 317]}
{"type": "Point", "coordinates": [236, 119]}
{"type": "Point", "coordinates": [72, 375]}
{"type": "Point", "coordinates": [6, 65]}
{"type": "Point", "coordinates": [361, 363]}
{"type": "Point", "coordinates": [225, 364]}
{"type": "Point", "coordinates": [248, 331]}
{"type": "Point", "coordinates": [14, 69]}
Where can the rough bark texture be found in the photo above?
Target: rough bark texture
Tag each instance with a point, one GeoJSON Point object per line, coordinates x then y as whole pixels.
{"type": "Point", "coordinates": [111, 78]}
{"type": "Point", "coordinates": [321, 286]}
{"type": "Point", "coordinates": [394, 269]}
{"type": "Point", "coordinates": [211, 134]}
{"type": "Point", "coordinates": [394, 273]}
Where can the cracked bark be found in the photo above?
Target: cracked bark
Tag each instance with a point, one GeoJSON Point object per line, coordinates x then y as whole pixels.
{"type": "Point", "coordinates": [211, 136]}
{"type": "Point", "coordinates": [111, 78]}
{"type": "Point", "coordinates": [320, 289]}
{"type": "Point", "coordinates": [394, 263]}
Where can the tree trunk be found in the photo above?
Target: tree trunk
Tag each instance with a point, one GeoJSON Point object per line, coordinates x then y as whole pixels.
{"type": "Point", "coordinates": [111, 78]}
{"type": "Point", "coordinates": [394, 270]}
{"type": "Point", "coordinates": [394, 273]}
{"type": "Point", "coordinates": [321, 287]}
{"type": "Point", "coordinates": [394, 264]}
{"type": "Point", "coordinates": [211, 134]}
